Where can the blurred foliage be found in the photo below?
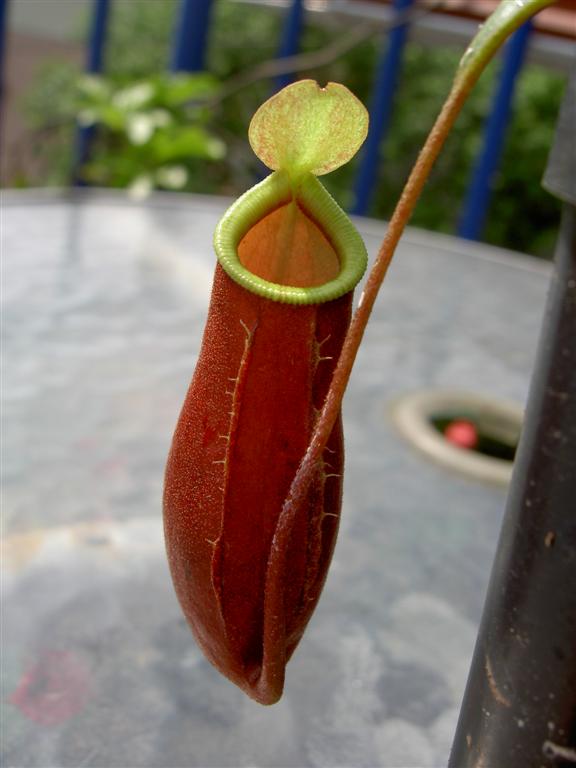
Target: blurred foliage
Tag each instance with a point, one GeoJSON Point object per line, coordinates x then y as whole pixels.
{"type": "Point", "coordinates": [149, 134]}
{"type": "Point", "coordinates": [522, 215]}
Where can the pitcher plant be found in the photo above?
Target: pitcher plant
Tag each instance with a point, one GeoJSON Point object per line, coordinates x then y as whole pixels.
{"type": "Point", "coordinates": [253, 483]}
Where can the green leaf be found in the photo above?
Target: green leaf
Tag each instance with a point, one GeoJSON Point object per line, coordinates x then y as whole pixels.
{"type": "Point", "coordinates": [179, 89]}
{"type": "Point", "coordinates": [103, 114]}
{"type": "Point", "coordinates": [93, 87]}
{"type": "Point", "coordinates": [306, 128]}
{"type": "Point", "coordinates": [176, 143]}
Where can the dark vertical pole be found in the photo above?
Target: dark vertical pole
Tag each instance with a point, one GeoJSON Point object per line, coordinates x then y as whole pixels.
{"type": "Point", "coordinates": [96, 43]}
{"type": "Point", "coordinates": [380, 112]}
{"type": "Point", "coordinates": [478, 197]}
{"type": "Point", "coordinates": [191, 36]}
{"type": "Point", "coordinates": [519, 708]}
{"type": "Point", "coordinates": [94, 65]}
{"type": "Point", "coordinates": [290, 40]}
{"type": "Point", "coordinates": [3, 25]}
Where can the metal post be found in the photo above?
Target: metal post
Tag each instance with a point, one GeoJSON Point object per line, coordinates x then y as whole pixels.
{"type": "Point", "coordinates": [380, 112]}
{"type": "Point", "coordinates": [95, 59]}
{"type": "Point", "coordinates": [190, 36]}
{"type": "Point", "coordinates": [519, 707]}
{"type": "Point", "coordinates": [94, 65]}
{"type": "Point", "coordinates": [478, 196]}
{"type": "Point", "coordinates": [3, 20]}
{"type": "Point", "coordinates": [290, 38]}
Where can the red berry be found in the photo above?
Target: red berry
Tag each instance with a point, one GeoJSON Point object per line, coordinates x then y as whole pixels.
{"type": "Point", "coordinates": [462, 433]}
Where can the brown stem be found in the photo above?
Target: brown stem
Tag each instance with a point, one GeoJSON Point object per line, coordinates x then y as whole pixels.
{"type": "Point", "coordinates": [400, 217]}
{"type": "Point", "coordinates": [493, 33]}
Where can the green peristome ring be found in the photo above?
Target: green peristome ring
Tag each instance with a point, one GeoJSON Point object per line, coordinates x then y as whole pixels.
{"type": "Point", "coordinates": [275, 190]}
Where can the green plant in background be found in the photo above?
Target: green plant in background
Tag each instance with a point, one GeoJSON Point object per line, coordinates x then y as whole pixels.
{"type": "Point", "coordinates": [518, 197]}
{"type": "Point", "coordinates": [48, 110]}
{"type": "Point", "coordinates": [149, 135]}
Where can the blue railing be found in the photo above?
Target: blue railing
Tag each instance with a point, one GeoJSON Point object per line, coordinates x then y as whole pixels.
{"type": "Point", "coordinates": [3, 14]}
{"type": "Point", "coordinates": [191, 36]}
{"type": "Point", "coordinates": [478, 197]}
{"type": "Point", "coordinates": [290, 39]}
{"type": "Point", "coordinates": [188, 54]}
{"type": "Point", "coordinates": [385, 84]}
{"type": "Point", "coordinates": [94, 65]}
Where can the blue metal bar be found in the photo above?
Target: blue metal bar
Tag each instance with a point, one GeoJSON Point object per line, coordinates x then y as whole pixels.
{"type": "Point", "coordinates": [380, 112]}
{"type": "Point", "coordinates": [3, 24]}
{"type": "Point", "coordinates": [95, 59]}
{"type": "Point", "coordinates": [94, 65]}
{"type": "Point", "coordinates": [190, 36]}
{"type": "Point", "coordinates": [477, 199]}
{"type": "Point", "coordinates": [290, 39]}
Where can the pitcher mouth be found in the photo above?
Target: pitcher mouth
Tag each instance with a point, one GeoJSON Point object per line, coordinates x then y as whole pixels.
{"type": "Point", "coordinates": [289, 248]}
{"type": "Point", "coordinates": [321, 210]}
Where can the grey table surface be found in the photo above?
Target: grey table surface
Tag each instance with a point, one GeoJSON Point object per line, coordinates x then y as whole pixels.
{"type": "Point", "coordinates": [103, 308]}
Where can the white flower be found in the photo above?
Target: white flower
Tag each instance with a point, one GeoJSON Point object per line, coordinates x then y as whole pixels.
{"type": "Point", "coordinates": [172, 176]}
{"type": "Point", "coordinates": [140, 128]}
{"type": "Point", "coordinates": [141, 187]}
{"type": "Point", "coordinates": [86, 117]}
{"type": "Point", "coordinates": [133, 97]}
